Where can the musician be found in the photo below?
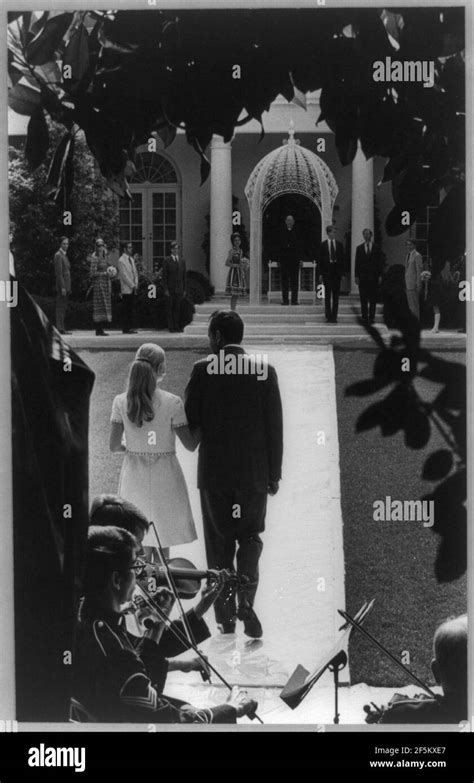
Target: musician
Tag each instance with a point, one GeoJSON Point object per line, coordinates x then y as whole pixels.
{"type": "Point", "coordinates": [108, 509]}
{"type": "Point", "coordinates": [112, 510]}
{"type": "Point", "coordinates": [449, 666]}
{"type": "Point", "coordinates": [114, 674]}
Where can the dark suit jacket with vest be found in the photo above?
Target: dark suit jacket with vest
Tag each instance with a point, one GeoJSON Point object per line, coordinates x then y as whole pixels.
{"type": "Point", "coordinates": [174, 275]}
{"type": "Point", "coordinates": [368, 267]}
{"type": "Point", "coordinates": [242, 427]}
{"type": "Point", "coordinates": [324, 262]}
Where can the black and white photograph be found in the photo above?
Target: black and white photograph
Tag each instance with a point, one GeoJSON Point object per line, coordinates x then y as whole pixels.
{"type": "Point", "coordinates": [236, 387]}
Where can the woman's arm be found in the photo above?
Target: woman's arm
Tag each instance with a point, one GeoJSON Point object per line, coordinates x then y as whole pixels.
{"type": "Point", "coordinates": [116, 432]}
{"type": "Point", "coordinates": [189, 438]}
{"type": "Point", "coordinates": [229, 261]}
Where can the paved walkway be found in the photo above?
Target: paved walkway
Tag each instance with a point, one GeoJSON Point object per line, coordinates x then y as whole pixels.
{"type": "Point", "coordinates": [302, 565]}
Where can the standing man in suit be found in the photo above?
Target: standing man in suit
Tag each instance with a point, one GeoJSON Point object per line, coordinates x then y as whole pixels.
{"type": "Point", "coordinates": [290, 256]}
{"type": "Point", "coordinates": [240, 416]}
{"type": "Point", "coordinates": [331, 269]}
{"type": "Point", "coordinates": [413, 270]}
{"type": "Point", "coordinates": [174, 281]}
{"type": "Point", "coordinates": [62, 273]}
{"type": "Point", "coordinates": [368, 271]}
{"type": "Point", "coordinates": [128, 277]}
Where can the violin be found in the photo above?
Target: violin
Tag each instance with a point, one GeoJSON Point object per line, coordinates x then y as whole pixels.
{"type": "Point", "coordinates": [152, 602]}
{"type": "Point", "coordinates": [186, 576]}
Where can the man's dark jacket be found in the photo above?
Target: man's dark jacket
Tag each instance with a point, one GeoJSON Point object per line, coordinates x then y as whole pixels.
{"type": "Point", "coordinates": [242, 426]}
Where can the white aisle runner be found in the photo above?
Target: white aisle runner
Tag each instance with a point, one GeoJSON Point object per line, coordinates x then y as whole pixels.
{"type": "Point", "coordinates": [302, 565]}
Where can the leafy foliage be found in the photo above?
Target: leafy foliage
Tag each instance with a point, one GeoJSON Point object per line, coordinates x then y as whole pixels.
{"type": "Point", "coordinates": [198, 287]}
{"type": "Point", "coordinates": [38, 219]}
{"type": "Point", "coordinates": [401, 369]}
{"type": "Point", "coordinates": [175, 70]}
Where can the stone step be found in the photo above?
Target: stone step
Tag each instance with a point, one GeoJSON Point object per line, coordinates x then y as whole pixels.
{"type": "Point", "coordinates": [303, 330]}
{"type": "Point", "coordinates": [277, 309]}
{"type": "Point", "coordinates": [285, 317]}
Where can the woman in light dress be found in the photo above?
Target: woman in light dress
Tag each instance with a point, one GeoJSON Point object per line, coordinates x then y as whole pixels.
{"type": "Point", "coordinates": [151, 476]}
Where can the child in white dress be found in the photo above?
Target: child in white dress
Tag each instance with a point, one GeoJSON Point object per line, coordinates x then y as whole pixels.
{"type": "Point", "coordinates": [151, 476]}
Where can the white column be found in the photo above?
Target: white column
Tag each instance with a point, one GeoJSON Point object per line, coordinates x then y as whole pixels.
{"type": "Point", "coordinates": [362, 204]}
{"type": "Point", "coordinates": [221, 210]}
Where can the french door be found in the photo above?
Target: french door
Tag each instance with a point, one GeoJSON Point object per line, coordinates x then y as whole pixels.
{"type": "Point", "coordinates": [151, 221]}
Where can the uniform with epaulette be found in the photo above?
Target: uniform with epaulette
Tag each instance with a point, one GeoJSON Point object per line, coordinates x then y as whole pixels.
{"type": "Point", "coordinates": [118, 677]}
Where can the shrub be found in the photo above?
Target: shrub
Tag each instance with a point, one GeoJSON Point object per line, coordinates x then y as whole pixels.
{"type": "Point", "coordinates": [149, 312]}
{"type": "Point", "coordinates": [200, 284]}
{"type": "Point", "coordinates": [38, 220]}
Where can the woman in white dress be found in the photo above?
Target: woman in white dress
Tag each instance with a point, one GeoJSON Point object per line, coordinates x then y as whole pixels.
{"type": "Point", "coordinates": [151, 476]}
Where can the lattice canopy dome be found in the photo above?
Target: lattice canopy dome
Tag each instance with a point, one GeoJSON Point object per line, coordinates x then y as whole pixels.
{"type": "Point", "coordinates": [292, 169]}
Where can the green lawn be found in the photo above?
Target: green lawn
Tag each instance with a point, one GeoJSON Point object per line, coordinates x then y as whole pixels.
{"type": "Point", "coordinates": [392, 562]}
{"type": "Point", "coordinates": [389, 561]}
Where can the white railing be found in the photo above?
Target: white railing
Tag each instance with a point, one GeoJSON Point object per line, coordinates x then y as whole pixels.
{"type": "Point", "coordinates": [308, 282]}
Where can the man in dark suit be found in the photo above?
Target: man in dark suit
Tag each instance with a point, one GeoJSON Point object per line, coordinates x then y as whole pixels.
{"type": "Point", "coordinates": [174, 282]}
{"type": "Point", "coordinates": [331, 269]}
{"type": "Point", "coordinates": [290, 255]}
{"type": "Point", "coordinates": [240, 416]}
{"type": "Point", "coordinates": [368, 271]}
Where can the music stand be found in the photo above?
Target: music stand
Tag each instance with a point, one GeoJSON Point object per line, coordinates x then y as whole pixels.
{"type": "Point", "coordinates": [301, 681]}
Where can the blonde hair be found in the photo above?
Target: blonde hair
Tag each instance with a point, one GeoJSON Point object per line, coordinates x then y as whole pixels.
{"type": "Point", "coordinates": [148, 367]}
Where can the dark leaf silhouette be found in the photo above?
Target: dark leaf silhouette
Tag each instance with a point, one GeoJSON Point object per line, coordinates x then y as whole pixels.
{"type": "Point", "coordinates": [417, 429]}
{"type": "Point", "coordinates": [388, 366]}
{"type": "Point", "coordinates": [370, 418]}
{"type": "Point", "coordinates": [37, 141]}
{"type": "Point", "coordinates": [438, 465]}
{"type": "Point", "coordinates": [76, 56]}
{"type": "Point", "coordinates": [174, 70]}
{"type": "Point", "coordinates": [450, 524]}
{"type": "Point", "coordinates": [24, 99]}
{"type": "Point", "coordinates": [451, 559]}
{"type": "Point", "coordinates": [43, 46]}
{"type": "Point", "coordinates": [56, 171]}
{"type": "Point", "coordinates": [393, 223]}
{"type": "Point", "coordinates": [362, 388]}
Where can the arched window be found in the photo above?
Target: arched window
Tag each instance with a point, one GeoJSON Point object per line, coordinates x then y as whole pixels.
{"type": "Point", "coordinates": [151, 167]}
{"type": "Point", "coordinates": [152, 219]}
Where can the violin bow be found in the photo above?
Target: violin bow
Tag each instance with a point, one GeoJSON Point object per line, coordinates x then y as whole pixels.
{"type": "Point", "coordinates": [355, 624]}
{"type": "Point", "coordinates": [190, 636]}
{"type": "Point", "coordinates": [174, 590]}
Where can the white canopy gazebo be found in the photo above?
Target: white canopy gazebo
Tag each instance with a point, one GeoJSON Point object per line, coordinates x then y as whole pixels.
{"type": "Point", "coordinates": [289, 169]}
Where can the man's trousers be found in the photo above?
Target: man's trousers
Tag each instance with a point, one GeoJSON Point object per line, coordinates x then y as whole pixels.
{"type": "Point", "coordinates": [368, 290]}
{"type": "Point", "coordinates": [233, 520]}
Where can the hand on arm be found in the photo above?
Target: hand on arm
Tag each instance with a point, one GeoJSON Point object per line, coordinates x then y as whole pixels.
{"type": "Point", "coordinates": [189, 438]}
{"type": "Point", "coordinates": [116, 432]}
